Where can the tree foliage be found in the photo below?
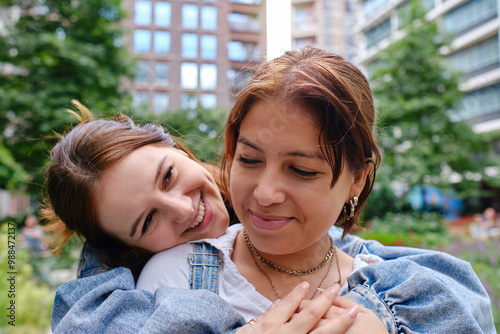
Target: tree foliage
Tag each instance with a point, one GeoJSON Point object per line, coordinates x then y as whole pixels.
{"type": "Point", "coordinates": [199, 130]}
{"type": "Point", "coordinates": [415, 94]}
{"type": "Point", "coordinates": [53, 52]}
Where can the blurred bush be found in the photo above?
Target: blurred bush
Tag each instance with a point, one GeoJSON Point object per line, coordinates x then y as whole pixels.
{"type": "Point", "coordinates": [33, 299]}
{"type": "Point", "coordinates": [412, 228]}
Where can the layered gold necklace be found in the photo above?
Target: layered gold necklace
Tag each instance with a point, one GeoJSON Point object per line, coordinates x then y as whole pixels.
{"type": "Point", "coordinates": [331, 252]}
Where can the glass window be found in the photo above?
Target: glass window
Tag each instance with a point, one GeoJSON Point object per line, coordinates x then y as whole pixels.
{"type": "Point", "coordinates": [140, 99]}
{"type": "Point", "coordinates": [163, 14]}
{"type": "Point", "coordinates": [160, 102]}
{"type": "Point", "coordinates": [142, 13]}
{"type": "Point", "coordinates": [472, 60]}
{"type": "Point", "coordinates": [301, 42]}
{"type": "Point", "coordinates": [304, 18]}
{"type": "Point", "coordinates": [469, 15]}
{"type": "Point", "coordinates": [142, 72]}
{"type": "Point", "coordinates": [372, 6]}
{"type": "Point", "coordinates": [479, 103]}
{"type": "Point", "coordinates": [190, 16]}
{"type": "Point", "coordinates": [189, 75]}
{"type": "Point", "coordinates": [208, 76]}
{"type": "Point", "coordinates": [190, 46]}
{"type": "Point", "coordinates": [209, 18]}
{"type": "Point", "coordinates": [189, 101]}
{"type": "Point", "coordinates": [378, 33]}
{"type": "Point", "coordinates": [243, 23]}
{"type": "Point", "coordinates": [208, 101]}
{"type": "Point", "coordinates": [142, 41]}
{"type": "Point", "coordinates": [162, 42]}
{"type": "Point", "coordinates": [239, 51]}
{"type": "Point", "coordinates": [162, 74]}
{"type": "Point", "coordinates": [209, 47]}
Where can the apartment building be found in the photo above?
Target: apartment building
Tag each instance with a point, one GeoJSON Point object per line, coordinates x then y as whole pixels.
{"type": "Point", "coordinates": [328, 24]}
{"type": "Point", "coordinates": [475, 50]}
{"type": "Point", "coordinates": [192, 52]}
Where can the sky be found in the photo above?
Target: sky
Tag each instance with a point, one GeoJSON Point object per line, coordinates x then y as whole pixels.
{"type": "Point", "coordinates": [278, 27]}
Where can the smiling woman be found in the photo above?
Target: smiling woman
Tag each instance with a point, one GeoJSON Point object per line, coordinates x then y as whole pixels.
{"type": "Point", "coordinates": [129, 191]}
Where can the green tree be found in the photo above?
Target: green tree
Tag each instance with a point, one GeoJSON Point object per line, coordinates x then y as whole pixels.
{"type": "Point", "coordinates": [55, 52]}
{"type": "Point", "coordinates": [415, 94]}
{"type": "Point", "coordinates": [200, 130]}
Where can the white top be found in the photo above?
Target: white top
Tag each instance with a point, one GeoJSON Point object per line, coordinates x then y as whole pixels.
{"type": "Point", "coordinates": [170, 268]}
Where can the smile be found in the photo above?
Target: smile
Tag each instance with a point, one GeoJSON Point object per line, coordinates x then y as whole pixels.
{"type": "Point", "coordinates": [266, 222]}
{"type": "Point", "coordinates": [201, 215]}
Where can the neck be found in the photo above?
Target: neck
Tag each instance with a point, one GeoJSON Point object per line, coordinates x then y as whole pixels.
{"type": "Point", "coordinates": [301, 263]}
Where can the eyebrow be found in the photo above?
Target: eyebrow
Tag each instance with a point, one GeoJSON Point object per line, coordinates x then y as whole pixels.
{"type": "Point", "coordinates": [298, 153]}
{"type": "Point", "coordinates": [156, 180]}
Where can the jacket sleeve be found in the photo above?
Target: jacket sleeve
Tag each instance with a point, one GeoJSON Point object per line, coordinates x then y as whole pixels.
{"type": "Point", "coordinates": [422, 291]}
{"type": "Point", "coordinates": [109, 303]}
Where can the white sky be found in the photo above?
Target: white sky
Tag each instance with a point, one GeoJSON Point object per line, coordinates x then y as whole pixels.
{"type": "Point", "coordinates": [278, 27]}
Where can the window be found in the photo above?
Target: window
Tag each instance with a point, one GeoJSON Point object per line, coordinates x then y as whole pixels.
{"type": "Point", "coordinates": [238, 79]}
{"type": "Point", "coordinates": [239, 51]}
{"type": "Point", "coordinates": [162, 74]}
{"type": "Point", "coordinates": [190, 16]}
{"type": "Point", "coordinates": [142, 13]}
{"type": "Point", "coordinates": [243, 23]}
{"type": "Point", "coordinates": [209, 18]}
{"type": "Point", "coordinates": [208, 76]}
{"type": "Point", "coordinates": [189, 75]}
{"type": "Point", "coordinates": [372, 6]}
{"type": "Point", "coordinates": [189, 101]}
{"type": "Point", "coordinates": [163, 14]}
{"type": "Point", "coordinates": [472, 60]}
{"type": "Point", "coordinates": [378, 33]}
{"type": "Point", "coordinates": [142, 73]}
{"type": "Point", "coordinates": [469, 15]}
{"type": "Point", "coordinates": [209, 47]}
{"type": "Point", "coordinates": [190, 46]}
{"type": "Point", "coordinates": [304, 18]}
{"type": "Point", "coordinates": [479, 103]}
{"type": "Point", "coordinates": [162, 42]}
{"type": "Point", "coordinates": [140, 99]}
{"type": "Point", "coordinates": [208, 101]}
{"type": "Point", "coordinates": [142, 41]}
{"type": "Point", "coordinates": [160, 102]}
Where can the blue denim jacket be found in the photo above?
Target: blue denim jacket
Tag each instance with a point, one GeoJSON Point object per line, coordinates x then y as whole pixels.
{"type": "Point", "coordinates": [447, 297]}
{"type": "Point", "coordinates": [106, 301]}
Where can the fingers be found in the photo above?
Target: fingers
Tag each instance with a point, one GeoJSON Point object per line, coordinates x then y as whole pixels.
{"type": "Point", "coordinates": [307, 318]}
{"type": "Point", "coordinates": [339, 324]}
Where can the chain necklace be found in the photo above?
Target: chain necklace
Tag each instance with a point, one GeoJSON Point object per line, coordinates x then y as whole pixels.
{"type": "Point", "coordinates": [273, 266]}
{"type": "Point", "coordinates": [256, 256]}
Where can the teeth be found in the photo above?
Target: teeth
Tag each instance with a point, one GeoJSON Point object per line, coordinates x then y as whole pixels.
{"type": "Point", "coordinates": [201, 215]}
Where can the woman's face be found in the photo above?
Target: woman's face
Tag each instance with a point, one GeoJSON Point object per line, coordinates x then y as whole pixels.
{"type": "Point", "coordinates": [280, 181]}
{"type": "Point", "coordinates": [157, 197]}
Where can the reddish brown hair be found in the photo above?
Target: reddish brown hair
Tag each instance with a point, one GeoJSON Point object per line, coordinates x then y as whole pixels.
{"type": "Point", "coordinates": [77, 163]}
{"type": "Point", "coordinates": [330, 90]}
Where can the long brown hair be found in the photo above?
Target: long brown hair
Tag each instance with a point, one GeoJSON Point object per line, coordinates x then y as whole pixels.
{"type": "Point", "coordinates": [73, 177]}
{"type": "Point", "coordinates": [334, 93]}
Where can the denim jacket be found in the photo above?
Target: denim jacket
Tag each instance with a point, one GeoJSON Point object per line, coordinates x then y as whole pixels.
{"type": "Point", "coordinates": [447, 297]}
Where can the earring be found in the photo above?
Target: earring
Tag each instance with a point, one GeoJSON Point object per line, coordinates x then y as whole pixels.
{"type": "Point", "coordinates": [352, 203]}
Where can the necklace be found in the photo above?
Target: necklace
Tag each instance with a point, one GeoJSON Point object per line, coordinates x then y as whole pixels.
{"type": "Point", "coordinates": [273, 266]}
{"type": "Point", "coordinates": [250, 246]}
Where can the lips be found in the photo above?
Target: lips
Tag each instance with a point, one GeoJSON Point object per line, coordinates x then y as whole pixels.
{"type": "Point", "coordinates": [268, 222]}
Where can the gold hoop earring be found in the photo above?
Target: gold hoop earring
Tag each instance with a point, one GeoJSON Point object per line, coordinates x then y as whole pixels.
{"type": "Point", "coordinates": [352, 208]}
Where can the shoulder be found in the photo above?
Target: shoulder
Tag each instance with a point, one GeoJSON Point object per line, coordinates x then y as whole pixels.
{"type": "Point", "coordinates": [444, 292]}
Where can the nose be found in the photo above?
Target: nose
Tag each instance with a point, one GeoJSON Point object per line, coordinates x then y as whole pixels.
{"type": "Point", "coordinates": [270, 188]}
{"type": "Point", "coordinates": [179, 207]}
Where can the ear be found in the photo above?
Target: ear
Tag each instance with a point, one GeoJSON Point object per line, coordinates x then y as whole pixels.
{"type": "Point", "coordinates": [359, 180]}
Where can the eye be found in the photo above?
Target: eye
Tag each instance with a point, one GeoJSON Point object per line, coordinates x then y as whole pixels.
{"type": "Point", "coordinates": [168, 176]}
{"type": "Point", "coordinates": [303, 173]}
{"type": "Point", "coordinates": [147, 222]}
{"type": "Point", "coordinates": [246, 161]}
